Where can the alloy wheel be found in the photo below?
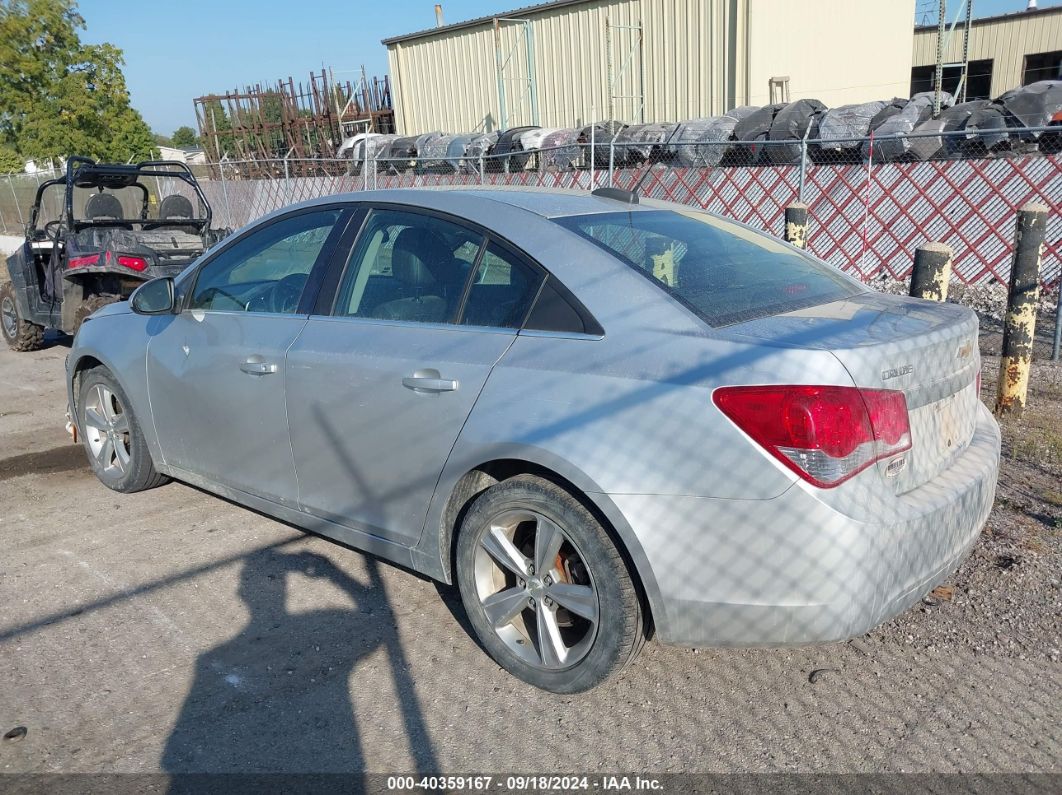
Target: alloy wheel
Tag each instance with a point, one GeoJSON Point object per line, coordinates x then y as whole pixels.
{"type": "Point", "coordinates": [9, 317]}
{"type": "Point", "coordinates": [536, 589]}
{"type": "Point", "coordinates": [107, 431]}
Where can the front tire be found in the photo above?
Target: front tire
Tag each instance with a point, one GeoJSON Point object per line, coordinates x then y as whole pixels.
{"type": "Point", "coordinates": [545, 587]}
{"type": "Point", "coordinates": [112, 437]}
{"type": "Point", "coordinates": [19, 333]}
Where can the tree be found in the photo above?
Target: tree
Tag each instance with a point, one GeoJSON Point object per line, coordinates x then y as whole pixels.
{"type": "Point", "coordinates": [11, 161]}
{"type": "Point", "coordinates": [58, 96]}
{"type": "Point", "coordinates": [185, 138]}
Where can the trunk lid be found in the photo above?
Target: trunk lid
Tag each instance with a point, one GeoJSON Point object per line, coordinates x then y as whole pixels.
{"type": "Point", "coordinates": [926, 350]}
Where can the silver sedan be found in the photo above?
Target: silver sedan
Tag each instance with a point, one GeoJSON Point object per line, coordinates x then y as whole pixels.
{"type": "Point", "coordinates": [601, 417]}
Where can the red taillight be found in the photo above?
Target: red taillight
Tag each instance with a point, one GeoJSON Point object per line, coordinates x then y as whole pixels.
{"type": "Point", "coordinates": [83, 262]}
{"type": "Point", "coordinates": [978, 382]}
{"type": "Point", "coordinates": [826, 434]}
{"type": "Point", "coordinates": [136, 263]}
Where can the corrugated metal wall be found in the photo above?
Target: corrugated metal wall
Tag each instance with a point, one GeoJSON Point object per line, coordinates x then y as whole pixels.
{"type": "Point", "coordinates": [1006, 41]}
{"type": "Point", "coordinates": [691, 66]}
{"type": "Point", "coordinates": [700, 58]}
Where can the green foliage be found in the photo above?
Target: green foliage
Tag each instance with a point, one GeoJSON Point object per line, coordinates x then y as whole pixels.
{"type": "Point", "coordinates": [11, 161]}
{"type": "Point", "coordinates": [163, 140]}
{"type": "Point", "coordinates": [185, 137]}
{"type": "Point", "coordinates": [58, 96]}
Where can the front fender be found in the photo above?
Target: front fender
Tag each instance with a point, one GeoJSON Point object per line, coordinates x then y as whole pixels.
{"type": "Point", "coordinates": [117, 341]}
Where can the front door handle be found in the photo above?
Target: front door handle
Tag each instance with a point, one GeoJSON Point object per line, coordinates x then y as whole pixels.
{"type": "Point", "coordinates": [428, 382]}
{"type": "Point", "coordinates": [256, 365]}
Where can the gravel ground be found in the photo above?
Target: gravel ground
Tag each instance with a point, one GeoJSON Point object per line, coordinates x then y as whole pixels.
{"type": "Point", "coordinates": [172, 631]}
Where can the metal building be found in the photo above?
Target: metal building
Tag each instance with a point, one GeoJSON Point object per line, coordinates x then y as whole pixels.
{"type": "Point", "coordinates": [568, 62]}
{"type": "Point", "coordinates": [1005, 52]}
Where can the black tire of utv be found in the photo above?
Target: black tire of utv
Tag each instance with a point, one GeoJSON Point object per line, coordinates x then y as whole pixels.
{"type": "Point", "coordinates": [621, 629]}
{"type": "Point", "coordinates": [28, 336]}
{"type": "Point", "coordinates": [90, 305]}
{"type": "Point", "coordinates": [141, 475]}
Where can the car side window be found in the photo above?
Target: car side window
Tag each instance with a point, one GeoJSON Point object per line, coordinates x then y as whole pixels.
{"type": "Point", "coordinates": [408, 266]}
{"type": "Point", "coordinates": [267, 270]}
{"type": "Point", "coordinates": [502, 290]}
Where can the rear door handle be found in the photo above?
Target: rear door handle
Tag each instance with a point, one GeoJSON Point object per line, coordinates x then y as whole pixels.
{"type": "Point", "coordinates": [428, 381]}
{"type": "Point", "coordinates": [256, 365]}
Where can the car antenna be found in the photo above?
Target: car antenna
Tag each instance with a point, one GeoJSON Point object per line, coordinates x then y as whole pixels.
{"type": "Point", "coordinates": [619, 194]}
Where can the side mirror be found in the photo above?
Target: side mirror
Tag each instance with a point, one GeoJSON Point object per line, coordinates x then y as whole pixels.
{"type": "Point", "coordinates": [155, 297]}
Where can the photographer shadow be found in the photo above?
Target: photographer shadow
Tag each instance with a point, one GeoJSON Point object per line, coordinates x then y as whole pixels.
{"type": "Point", "coordinates": [276, 698]}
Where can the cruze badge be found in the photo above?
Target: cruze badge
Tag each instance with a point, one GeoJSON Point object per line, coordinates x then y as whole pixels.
{"type": "Point", "coordinates": [896, 372]}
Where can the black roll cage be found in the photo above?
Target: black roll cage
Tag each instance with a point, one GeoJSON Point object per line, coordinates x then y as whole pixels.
{"type": "Point", "coordinates": [81, 170]}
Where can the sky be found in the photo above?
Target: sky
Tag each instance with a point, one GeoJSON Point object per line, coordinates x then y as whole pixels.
{"type": "Point", "coordinates": [175, 51]}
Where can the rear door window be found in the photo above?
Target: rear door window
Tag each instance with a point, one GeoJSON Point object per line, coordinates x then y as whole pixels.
{"type": "Point", "coordinates": [722, 271]}
{"type": "Point", "coordinates": [409, 267]}
{"type": "Point", "coordinates": [502, 290]}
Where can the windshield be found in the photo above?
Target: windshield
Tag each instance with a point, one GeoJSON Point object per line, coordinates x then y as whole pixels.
{"type": "Point", "coordinates": [722, 271]}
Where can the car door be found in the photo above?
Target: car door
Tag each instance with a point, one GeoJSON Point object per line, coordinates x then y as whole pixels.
{"type": "Point", "coordinates": [379, 389]}
{"type": "Point", "coordinates": [216, 374]}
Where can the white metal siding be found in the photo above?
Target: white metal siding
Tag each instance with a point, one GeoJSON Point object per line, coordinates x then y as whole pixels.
{"type": "Point", "coordinates": [448, 80]}
{"type": "Point", "coordinates": [696, 61]}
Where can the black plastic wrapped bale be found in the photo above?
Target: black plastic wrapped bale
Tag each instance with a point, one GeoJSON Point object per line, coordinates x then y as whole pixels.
{"type": "Point", "coordinates": [891, 141]}
{"type": "Point", "coordinates": [702, 143]}
{"type": "Point", "coordinates": [789, 127]}
{"type": "Point", "coordinates": [457, 152]}
{"type": "Point", "coordinates": [533, 142]}
{"type": "Point", "coordinates": [750, 132]}
{"type": "Point", "coordinates": [370, 146]}
{"type": "Point", "coordinates": [435, 154]}
{"type": "Point", "coordinates": [560, 150]}
{"type": "Point", "coordinates": [987, 129]}
{"type": "Point", "coordinates": [842, 130]}
{"type": "Point", "coordinates": [600, 134]}
{"type": "Point", "coordinates": [951, 121]}
{"type": "Point", "coordinates": [644, 142]}
{"type": "Point", "coordinates": [1033, 105]}
{"type": "Point", "coordinates": [481, 145]}
{"type": "Point", "coordinates": [398, 156]}
{"type": "Point", "coordinates": [890, 109]}
{"type": "Point", "coordinates": [506, 154]}
{"type": "Point", "coordinates": [424, 139]}
{"type": "Point", "coordinates": [923, 144]}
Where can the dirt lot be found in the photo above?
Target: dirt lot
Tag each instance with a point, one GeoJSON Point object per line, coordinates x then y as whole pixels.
{"type": "Point", "coordinates": [172, 631]}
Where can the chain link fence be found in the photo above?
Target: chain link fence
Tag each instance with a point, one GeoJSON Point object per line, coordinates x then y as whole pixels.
{"type": "Point", "coordinates": [870, 201]}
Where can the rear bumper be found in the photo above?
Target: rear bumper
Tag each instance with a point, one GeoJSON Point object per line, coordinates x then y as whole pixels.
{"type": "Point", "coordinates": [793, 570]}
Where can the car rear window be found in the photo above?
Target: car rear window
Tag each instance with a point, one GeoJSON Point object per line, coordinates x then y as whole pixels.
{"type": "Point", "coordinates": [722, 271]}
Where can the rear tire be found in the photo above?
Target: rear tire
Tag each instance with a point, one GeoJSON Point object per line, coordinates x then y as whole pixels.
{"type": "Point", "coordinates": [112, 437]}
{"type": "Point", "coordinates": [545, 587]}
{"type": "Point", "coordinates": [18, 333]}
{"type": "Point", "coordinates": [90, 305]}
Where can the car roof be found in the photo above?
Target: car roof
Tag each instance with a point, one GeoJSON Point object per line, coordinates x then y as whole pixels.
{"type": "Point", "coordinates": [544, 202]}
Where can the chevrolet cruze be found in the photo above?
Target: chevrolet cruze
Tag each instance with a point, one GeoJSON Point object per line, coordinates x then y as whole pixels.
{"type": "Point", "coordinates": [601, 417]}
